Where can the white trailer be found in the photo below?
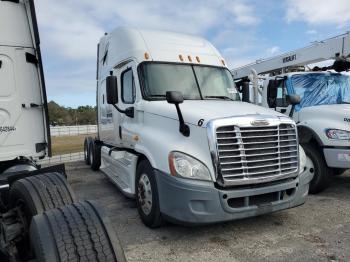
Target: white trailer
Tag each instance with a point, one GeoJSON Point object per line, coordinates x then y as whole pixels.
{"type": "Point", "coordinates": [40, 219]}
{"type": "Point", "coordinates": [173, 133]}
{"type": "Point", "coordinates": [322, 114]}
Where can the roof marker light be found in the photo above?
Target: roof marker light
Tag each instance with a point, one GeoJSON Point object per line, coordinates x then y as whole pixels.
{"type": "Point", "coordinates": [146, 56]}
{"type": "Point", "coordinates": [181, 58]}
{"type": "Point", "coordinates": [189, 58]}
{"type": "Point", "coordinates": [198, 60]}
{"type": "Point", "coordinates": [223, 62]}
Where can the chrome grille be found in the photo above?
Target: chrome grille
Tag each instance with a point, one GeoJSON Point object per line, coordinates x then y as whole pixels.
{"type": "Point", "coordinates": [257, 152]}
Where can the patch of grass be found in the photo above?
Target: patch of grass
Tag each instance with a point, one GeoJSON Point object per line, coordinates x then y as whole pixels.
{"type": "Point", "coordinates": [67, 144]}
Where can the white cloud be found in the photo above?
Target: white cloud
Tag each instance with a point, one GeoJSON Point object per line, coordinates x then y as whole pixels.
{"type": "Point", "coordinates": [273, 50]}
{"type": "Point", "coordinates": [316, 12]}
{"type": "Point", "coordinates": [244, 14]}
{"type": "Point", "coordinates": [311, 32]}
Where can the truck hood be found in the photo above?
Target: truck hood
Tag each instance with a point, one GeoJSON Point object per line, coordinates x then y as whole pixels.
{"type": "Point", "coordinates": [334, 113]}
{"type": "Point", "coordinates": [195, 110]}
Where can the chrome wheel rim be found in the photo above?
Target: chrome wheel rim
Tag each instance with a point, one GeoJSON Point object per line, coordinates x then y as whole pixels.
{"type": "Point", "coordinates": [145, 194]}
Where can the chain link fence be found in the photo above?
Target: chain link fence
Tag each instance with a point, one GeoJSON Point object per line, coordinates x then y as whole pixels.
{"type": "Point", "coordinates": [71, 157]}
{"type": "Point", "coordinates": [68, 132]}
{"type": "Point", "coordinates": [73, 130]}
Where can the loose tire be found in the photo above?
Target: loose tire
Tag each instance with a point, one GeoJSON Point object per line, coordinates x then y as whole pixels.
{"type": "Point", "coordinates": [147, 199]}
{"type": "Point", "coordinates": [77, 232]}
{"type": "Point", "coordinates": [321, 177]}
{"type": "Point", "coordinates": [35, 195]}
{"type": "Point", "coordinates": [95, 155]}
{"type": "Point", "coordinates": [40, 193]}
{"type": "Point", "coordinates": [87, 142]}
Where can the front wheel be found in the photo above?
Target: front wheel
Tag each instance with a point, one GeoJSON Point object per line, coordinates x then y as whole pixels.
{"type": "Point", "coordinates": [321, 172]}
{"type": "Point", "coordinates": [147, 199]}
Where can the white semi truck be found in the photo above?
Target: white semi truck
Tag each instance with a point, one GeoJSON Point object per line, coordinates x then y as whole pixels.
{"type": "Point", "coordinates": [173, 133]}
{"type": "Point", "coordinates": [322, 114]}
{"type": "Point", "coordinates": [40, 219]}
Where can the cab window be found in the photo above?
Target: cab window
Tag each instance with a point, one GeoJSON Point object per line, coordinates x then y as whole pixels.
{"type": "Point", "coordinates": [128, 87]}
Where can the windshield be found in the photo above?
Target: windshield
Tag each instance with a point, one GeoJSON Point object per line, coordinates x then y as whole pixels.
{"type": "Point", "coordinates": [194, 82]}
{"type": "Point", "coordinates": [321, 89]}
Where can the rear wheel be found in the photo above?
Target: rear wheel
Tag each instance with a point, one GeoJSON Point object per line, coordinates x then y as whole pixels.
{"type": "Point", "coordinates": [77, 232]}
{"type": "Point", "coordinates": [95, 155]}
{"type": "Point", "coordinates": [87, 142]}
{"type": "Point", "coordinates": [321, 172]}
{"type": "Point", "coordinates": [147, 198]}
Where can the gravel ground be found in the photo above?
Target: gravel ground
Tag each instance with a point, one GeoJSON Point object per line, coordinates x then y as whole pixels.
{"type": "Point", "coordinates": [317, 231]}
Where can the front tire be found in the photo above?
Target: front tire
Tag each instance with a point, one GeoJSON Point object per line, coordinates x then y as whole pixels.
{"type": "Point", "coordinates": [321, 172]}
{"type": "Point", "coordinates": [147, 199]}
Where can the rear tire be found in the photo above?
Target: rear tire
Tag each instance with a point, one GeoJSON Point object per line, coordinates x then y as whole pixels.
{"type": "Point", "coordinates": [87, 142]}
{"type": "Point", "coordinates": [147, 199]}
{"type": "Point", "coordinates": [321, 177]}
{"type": "Point", "coordinates": [77, 232]}
{"type": "Point", "coordinates": [95, 155]}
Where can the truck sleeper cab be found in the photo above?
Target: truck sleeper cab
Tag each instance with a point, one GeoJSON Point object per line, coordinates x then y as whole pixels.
{"type": "Point", "coordinates": [321, 115]}
{"type": "Point", "coordinates": [173, 133]}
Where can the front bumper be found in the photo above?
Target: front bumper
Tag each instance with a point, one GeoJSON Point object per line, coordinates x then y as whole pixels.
{"type": "Point", "coordinates": [198, 202]}
{"type": "Point", "coordinates": [337, 157]}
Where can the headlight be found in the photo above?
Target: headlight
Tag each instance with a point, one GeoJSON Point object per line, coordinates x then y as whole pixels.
{"type": "Point", "coordinates": [185, 166]}
{"type": "Point", "coordinates": [338, 134]}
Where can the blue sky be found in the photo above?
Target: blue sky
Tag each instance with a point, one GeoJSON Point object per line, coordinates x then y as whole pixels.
{"type": "Point", "coordinates": [242, 30]}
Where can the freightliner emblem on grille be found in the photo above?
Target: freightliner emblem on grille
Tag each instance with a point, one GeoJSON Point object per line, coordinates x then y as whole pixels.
{"type": "Point", "coordinates": [260, 123]}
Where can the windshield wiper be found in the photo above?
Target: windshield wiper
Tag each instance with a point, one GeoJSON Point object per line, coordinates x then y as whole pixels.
{"type": "Point", "coordinates": [220, 97]}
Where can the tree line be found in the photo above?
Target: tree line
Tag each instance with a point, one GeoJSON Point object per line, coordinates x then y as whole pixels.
{"type": "Point", "coordinates": [60, 115]}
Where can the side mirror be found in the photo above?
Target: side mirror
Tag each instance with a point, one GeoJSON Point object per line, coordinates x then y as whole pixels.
{"type": "Point", "coordinates": [293, 99]}
{"type": "Point", "coordinates": [174, 97]}
{"type": "Point", "coordinates": [112, 90]}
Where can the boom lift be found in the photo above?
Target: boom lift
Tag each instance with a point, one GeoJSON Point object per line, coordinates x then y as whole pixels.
{"type": "Point", "coordinates": [40, 219]}
{"type": "Point", "coordinates": [317, 98]}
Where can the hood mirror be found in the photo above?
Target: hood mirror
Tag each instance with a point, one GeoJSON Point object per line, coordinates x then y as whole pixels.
{"type": "Point", "coordinates": [176, 98]}
{"type": "Point", "coordinates": [293, 100]}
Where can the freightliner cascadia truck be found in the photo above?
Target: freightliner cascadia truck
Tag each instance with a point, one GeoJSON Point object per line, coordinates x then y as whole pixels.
{"type": "Point", "coordinates": [174, 135]}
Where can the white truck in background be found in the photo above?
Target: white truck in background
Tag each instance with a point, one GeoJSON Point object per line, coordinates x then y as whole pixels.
{"type": "Point", "coordinates": [322, 113]}
{"type": "Point", "coordinates": [40, 219]}
{"type": "Point", "coordinates": [173, 133]}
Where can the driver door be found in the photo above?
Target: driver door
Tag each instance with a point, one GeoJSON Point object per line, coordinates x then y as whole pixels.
{"type": "Point", "coordinates": [127, 98]}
